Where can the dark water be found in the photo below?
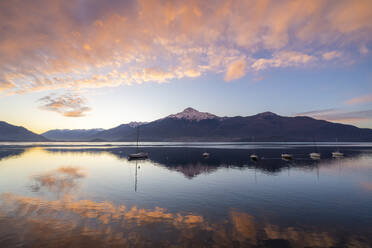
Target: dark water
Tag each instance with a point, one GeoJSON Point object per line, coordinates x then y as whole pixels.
{"type": "Point", "coordinates": [73, 195]}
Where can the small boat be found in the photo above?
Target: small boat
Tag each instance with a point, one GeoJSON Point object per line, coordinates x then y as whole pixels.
{"type": "Point", "coordinates": [315, 155]}
{"type": "Point", "coordinates": [138, 155]}
{"type": "Point", "coordinates": [205, 154]}
{"type": "Point", "coordinates": [337, 154]}
{"type": "Point", "coordinates": [286, 156]}
{"type": "Point", "coordinates": [254, 157]}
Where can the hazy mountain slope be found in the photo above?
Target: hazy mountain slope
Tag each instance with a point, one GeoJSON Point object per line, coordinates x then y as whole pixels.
{"type": "Point", "coordinates": [122, 132]}
{"type": "Point", "coordinates": [9, 132]}
{"type": "Point", "coordinates": [71, 134]}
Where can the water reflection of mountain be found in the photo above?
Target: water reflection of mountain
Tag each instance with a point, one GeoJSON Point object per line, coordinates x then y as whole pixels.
{"type": "Point", "coordinates": [8, 152]}
{"type": "Point", "coordinates": [189, 161]}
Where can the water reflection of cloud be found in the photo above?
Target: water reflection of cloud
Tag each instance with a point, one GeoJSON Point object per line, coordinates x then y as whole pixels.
{"type": "Point", "coordinates": [87, 223]}
{"type": "Point", "coordinates": [244, 226]}
{"type": "Point", "coordinates": [366, 185]}
{"type": "Point", "coordinates": [62, 180]}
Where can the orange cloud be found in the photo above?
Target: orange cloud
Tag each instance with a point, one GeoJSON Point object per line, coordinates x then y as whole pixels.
{"type": "Point", "coordinates": [4, 85]}
{"type": "Point", "coordinates": [69, 105]}
{"type": "Point", "coordinates": [235, 70]}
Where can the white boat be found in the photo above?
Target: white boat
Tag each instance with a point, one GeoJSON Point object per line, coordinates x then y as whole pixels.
{"type": "Point", "coordinates": [138, 155]}
{"type": "Point", "coordinates": [254, 157]}
{"type": "Point", "coordinates": [205, 154]}
{"type": "Point", "coordinates": [315, 155]}
{"type": "Point", "coordinates": [286, 156]}
{"type": "Point", "coordinates": [337, 154]}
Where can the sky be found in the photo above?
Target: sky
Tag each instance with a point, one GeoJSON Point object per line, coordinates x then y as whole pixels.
{"type": "Point", "coordinates": [98, 64]}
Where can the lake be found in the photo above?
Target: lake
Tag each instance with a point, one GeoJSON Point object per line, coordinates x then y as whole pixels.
{"type": "Point", "coordinates": [90, 195]}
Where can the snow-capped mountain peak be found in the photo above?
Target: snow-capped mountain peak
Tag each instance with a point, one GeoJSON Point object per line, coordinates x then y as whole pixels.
{"type": "Point", "coordinates": [193, 114]}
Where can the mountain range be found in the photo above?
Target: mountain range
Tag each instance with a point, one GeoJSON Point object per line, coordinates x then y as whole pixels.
{"type": "Point", "coordinates": [71, 135]}
{"type": "Point", "coordinates": [14, 133]}
{"type": "Point", "coordinates": [192, 125]}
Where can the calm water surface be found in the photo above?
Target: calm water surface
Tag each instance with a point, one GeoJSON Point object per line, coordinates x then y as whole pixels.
{"type": "Point", "coordinates": [90, 195]}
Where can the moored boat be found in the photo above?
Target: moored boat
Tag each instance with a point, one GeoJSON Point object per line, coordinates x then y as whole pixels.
{"type": "Point", "coordinates": [138, 155]}
{"type": "Point", "coordinates": [254, 157]}
{"type": "Point", "coordinates": [337, 154]}
{"type": "Point", "coordinates": [286, 156]}
{"type": "Point", "coordinates": [315, 155]}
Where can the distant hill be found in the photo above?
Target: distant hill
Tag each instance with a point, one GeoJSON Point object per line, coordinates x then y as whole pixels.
{"type": "Point", "coordinates": [9, 132]}
{"type": "Point", "coordinates": [71, 134]}
{"type": "Point", "coordinates": [192, 125]}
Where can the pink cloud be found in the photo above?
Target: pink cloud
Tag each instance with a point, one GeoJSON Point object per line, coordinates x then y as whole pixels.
{"type": "Point", "coordinates": [68, 105]}
{"type": "Point", "coordinates": [360, 99]}
{"type": "Point", "coordinates": [336, 115]}
{"type": "Point", "coordinates": [331, 55]}
{"type": "Point", "coordinates": [363, 50]}
{"type": "Point", "coordinates": [116, 42]}
{"type": "Point", "coordinates": [283, 59]}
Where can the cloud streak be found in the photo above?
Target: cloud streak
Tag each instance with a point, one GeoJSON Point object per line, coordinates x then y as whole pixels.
{"type": "Point", "coordinates": [283, 59]}
{"type": "Point", "coordinates": [332, 55]}
{"type": "Point", "coordinates": [68, 105]}
{"type": "Point", "coordinates": [360, 100]}
{"type": "Point", "coordinates": [91, 44]}
{"type": "Point", "coordinates": [339, 115]}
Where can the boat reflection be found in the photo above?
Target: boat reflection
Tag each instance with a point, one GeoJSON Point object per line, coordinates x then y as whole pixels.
{"type": "Point", "coordinates": [189, 162]}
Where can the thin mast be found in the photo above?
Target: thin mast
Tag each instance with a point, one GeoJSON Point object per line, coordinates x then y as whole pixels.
{"type": "Point", "coordinates": [137, 138]}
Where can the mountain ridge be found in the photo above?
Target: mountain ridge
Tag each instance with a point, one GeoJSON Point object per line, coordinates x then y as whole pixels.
{"type": "Point", "coordinates": [192, 125]}
{"type": "Point", "coordinates": [9, 132]}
